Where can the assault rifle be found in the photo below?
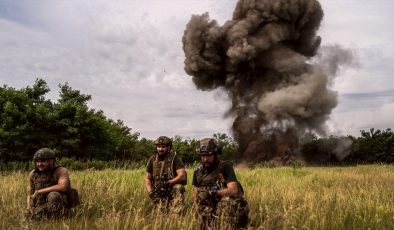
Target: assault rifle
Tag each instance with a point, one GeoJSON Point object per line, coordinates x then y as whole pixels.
{"type": "Point", "coordinates": [161, 187]}
{"type": "Point", "coordinates": [217, 186]}
{"type": "Point", "coordinates": [207, 194]}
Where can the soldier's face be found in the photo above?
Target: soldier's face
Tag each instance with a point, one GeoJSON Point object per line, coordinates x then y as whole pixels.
{"type": "Point", "coordinates": [162, 149]}
{"type": "Point", "coordinates": [43, 165]}
{"type": "Point", "coordinates": [207, 160]}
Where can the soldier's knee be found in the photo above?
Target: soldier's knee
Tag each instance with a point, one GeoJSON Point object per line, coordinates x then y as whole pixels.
{"type": "Point", "coordinates": [225, 203]}
{"type": "Point", "coordinates": [179, 189]}
{"type": "Point", "coordinates": [54, 197]}
{"type": "Point", "coordinates": [234, 211]}
{"type": "Point", "coordinates": [177, 194]}
{"type": "Point", "coordinates": [228, 206]}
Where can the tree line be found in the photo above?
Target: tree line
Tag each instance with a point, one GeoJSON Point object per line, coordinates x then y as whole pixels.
{"type": "Point", "coordinates": [29, 121]}
{"type": "Point", "coordinates": [373, 146]}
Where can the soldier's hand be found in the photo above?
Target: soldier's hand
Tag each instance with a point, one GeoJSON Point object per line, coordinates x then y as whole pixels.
{"type": "Point", "coordinates": [152, 195]}
{"type": "Point", "coordinates": [208, 194]}
{"type": "Point", "coordinates": [163, 185]}
{"type": "Point", "coordinates": [35, 195]}
{"type": "Point", "coordinates": [203, 196]}
{"type": "Point", "coordinates": [213, 191]}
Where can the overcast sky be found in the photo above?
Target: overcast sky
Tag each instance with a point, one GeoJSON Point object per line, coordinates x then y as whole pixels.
{"type": "Point", "coordinates": [128, 55]}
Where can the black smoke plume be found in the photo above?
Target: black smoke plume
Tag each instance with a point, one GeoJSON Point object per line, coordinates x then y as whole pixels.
{"type": "Point", "coordinates": [263, 59]}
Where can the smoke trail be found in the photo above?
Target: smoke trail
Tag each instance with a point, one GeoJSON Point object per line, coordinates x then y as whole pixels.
{"type": "Point", "coordinates": [262, 59]}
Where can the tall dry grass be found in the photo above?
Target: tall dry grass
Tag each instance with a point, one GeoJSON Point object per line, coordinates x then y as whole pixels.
{"type": "Point", "coordinates": [279, 198]}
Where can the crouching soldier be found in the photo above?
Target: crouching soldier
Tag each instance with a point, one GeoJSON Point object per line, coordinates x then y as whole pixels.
{"type": "Point", "coordinates": [217, 193]}
{"type": "Point", "coordinates": [165, 178]}
{"type": "Point", "coordinates": [49, 193]}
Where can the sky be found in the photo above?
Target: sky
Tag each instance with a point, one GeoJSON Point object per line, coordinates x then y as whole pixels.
{"type": "Point", "coordinates": [128, 56]}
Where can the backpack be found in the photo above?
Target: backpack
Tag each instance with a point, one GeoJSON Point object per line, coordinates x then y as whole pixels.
{"type": "Point", "coordinates": [73, 198]}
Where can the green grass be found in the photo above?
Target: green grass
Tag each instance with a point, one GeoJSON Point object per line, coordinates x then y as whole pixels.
{"type": "Point", "coordinates": [280, 198]}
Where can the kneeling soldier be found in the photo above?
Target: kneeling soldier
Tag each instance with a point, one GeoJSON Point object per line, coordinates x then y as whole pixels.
{"type": "Point", "coordinates": [218, 194]}
{"type": "Point", "coordinates": [165, 178]}
{"type": "Point", "coordinates": [49, 193]}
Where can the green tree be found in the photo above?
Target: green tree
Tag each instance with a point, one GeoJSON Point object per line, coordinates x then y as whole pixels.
{"type": "Point", "coordinates": [373, 146]}
{"type": "Point", "coordinates": [143, 149]}
{"type": "Point", "coordinates": [229, 147]}
{"type": "Point", "coordinates": [28, 121]}
{"type": "Point", "coordinates": [185, 148]}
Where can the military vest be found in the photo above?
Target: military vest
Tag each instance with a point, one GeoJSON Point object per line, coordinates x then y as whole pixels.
{"type": "Point", "coordinates": [164, 169]}
{"type": "Point", "coordinates": [44, 179]}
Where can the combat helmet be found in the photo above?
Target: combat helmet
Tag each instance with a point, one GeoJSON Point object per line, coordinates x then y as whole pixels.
{"type": "Point", "coordinates": [208, 146]}
{"type": "Point", "coordinates": [44, 154]}
{"type": "Point", "coordinates": [163, 140]}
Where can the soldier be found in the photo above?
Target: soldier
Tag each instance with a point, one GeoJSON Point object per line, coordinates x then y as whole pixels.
{"type": "Point", "coordinates": [165, 178]}
{"type": "Point", "coordinates": [49, 193]}
{"type": "Point", "coordinates": [217, 193]}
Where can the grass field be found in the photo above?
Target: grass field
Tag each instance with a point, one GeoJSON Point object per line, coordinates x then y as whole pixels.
{"type": "Point", "coordinates": [280, 198]}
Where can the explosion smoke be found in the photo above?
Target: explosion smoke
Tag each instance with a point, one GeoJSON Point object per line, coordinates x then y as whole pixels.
{"type": "Point", "coordinates": [262, 59]}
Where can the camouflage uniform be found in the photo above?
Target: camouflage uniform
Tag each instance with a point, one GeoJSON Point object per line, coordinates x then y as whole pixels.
{"type": "Point", "coordinates": [230, 212]}
{"type": "Point", "coordinates": [166, 198]}
{"type": "Point", "coordinates": [227, 212]}
{"type": "Point", "coordinates": [53, 204]}
{"type": "Point", "coordinates": [50, 205]}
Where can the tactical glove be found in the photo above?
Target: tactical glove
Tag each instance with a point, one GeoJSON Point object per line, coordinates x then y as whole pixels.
{"type": "Point", "coordinates": [206, 196]}
{"type": "Point", "coordinates": [203, 196]}
{"type": "Point", "coordinates": [35, 195]}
